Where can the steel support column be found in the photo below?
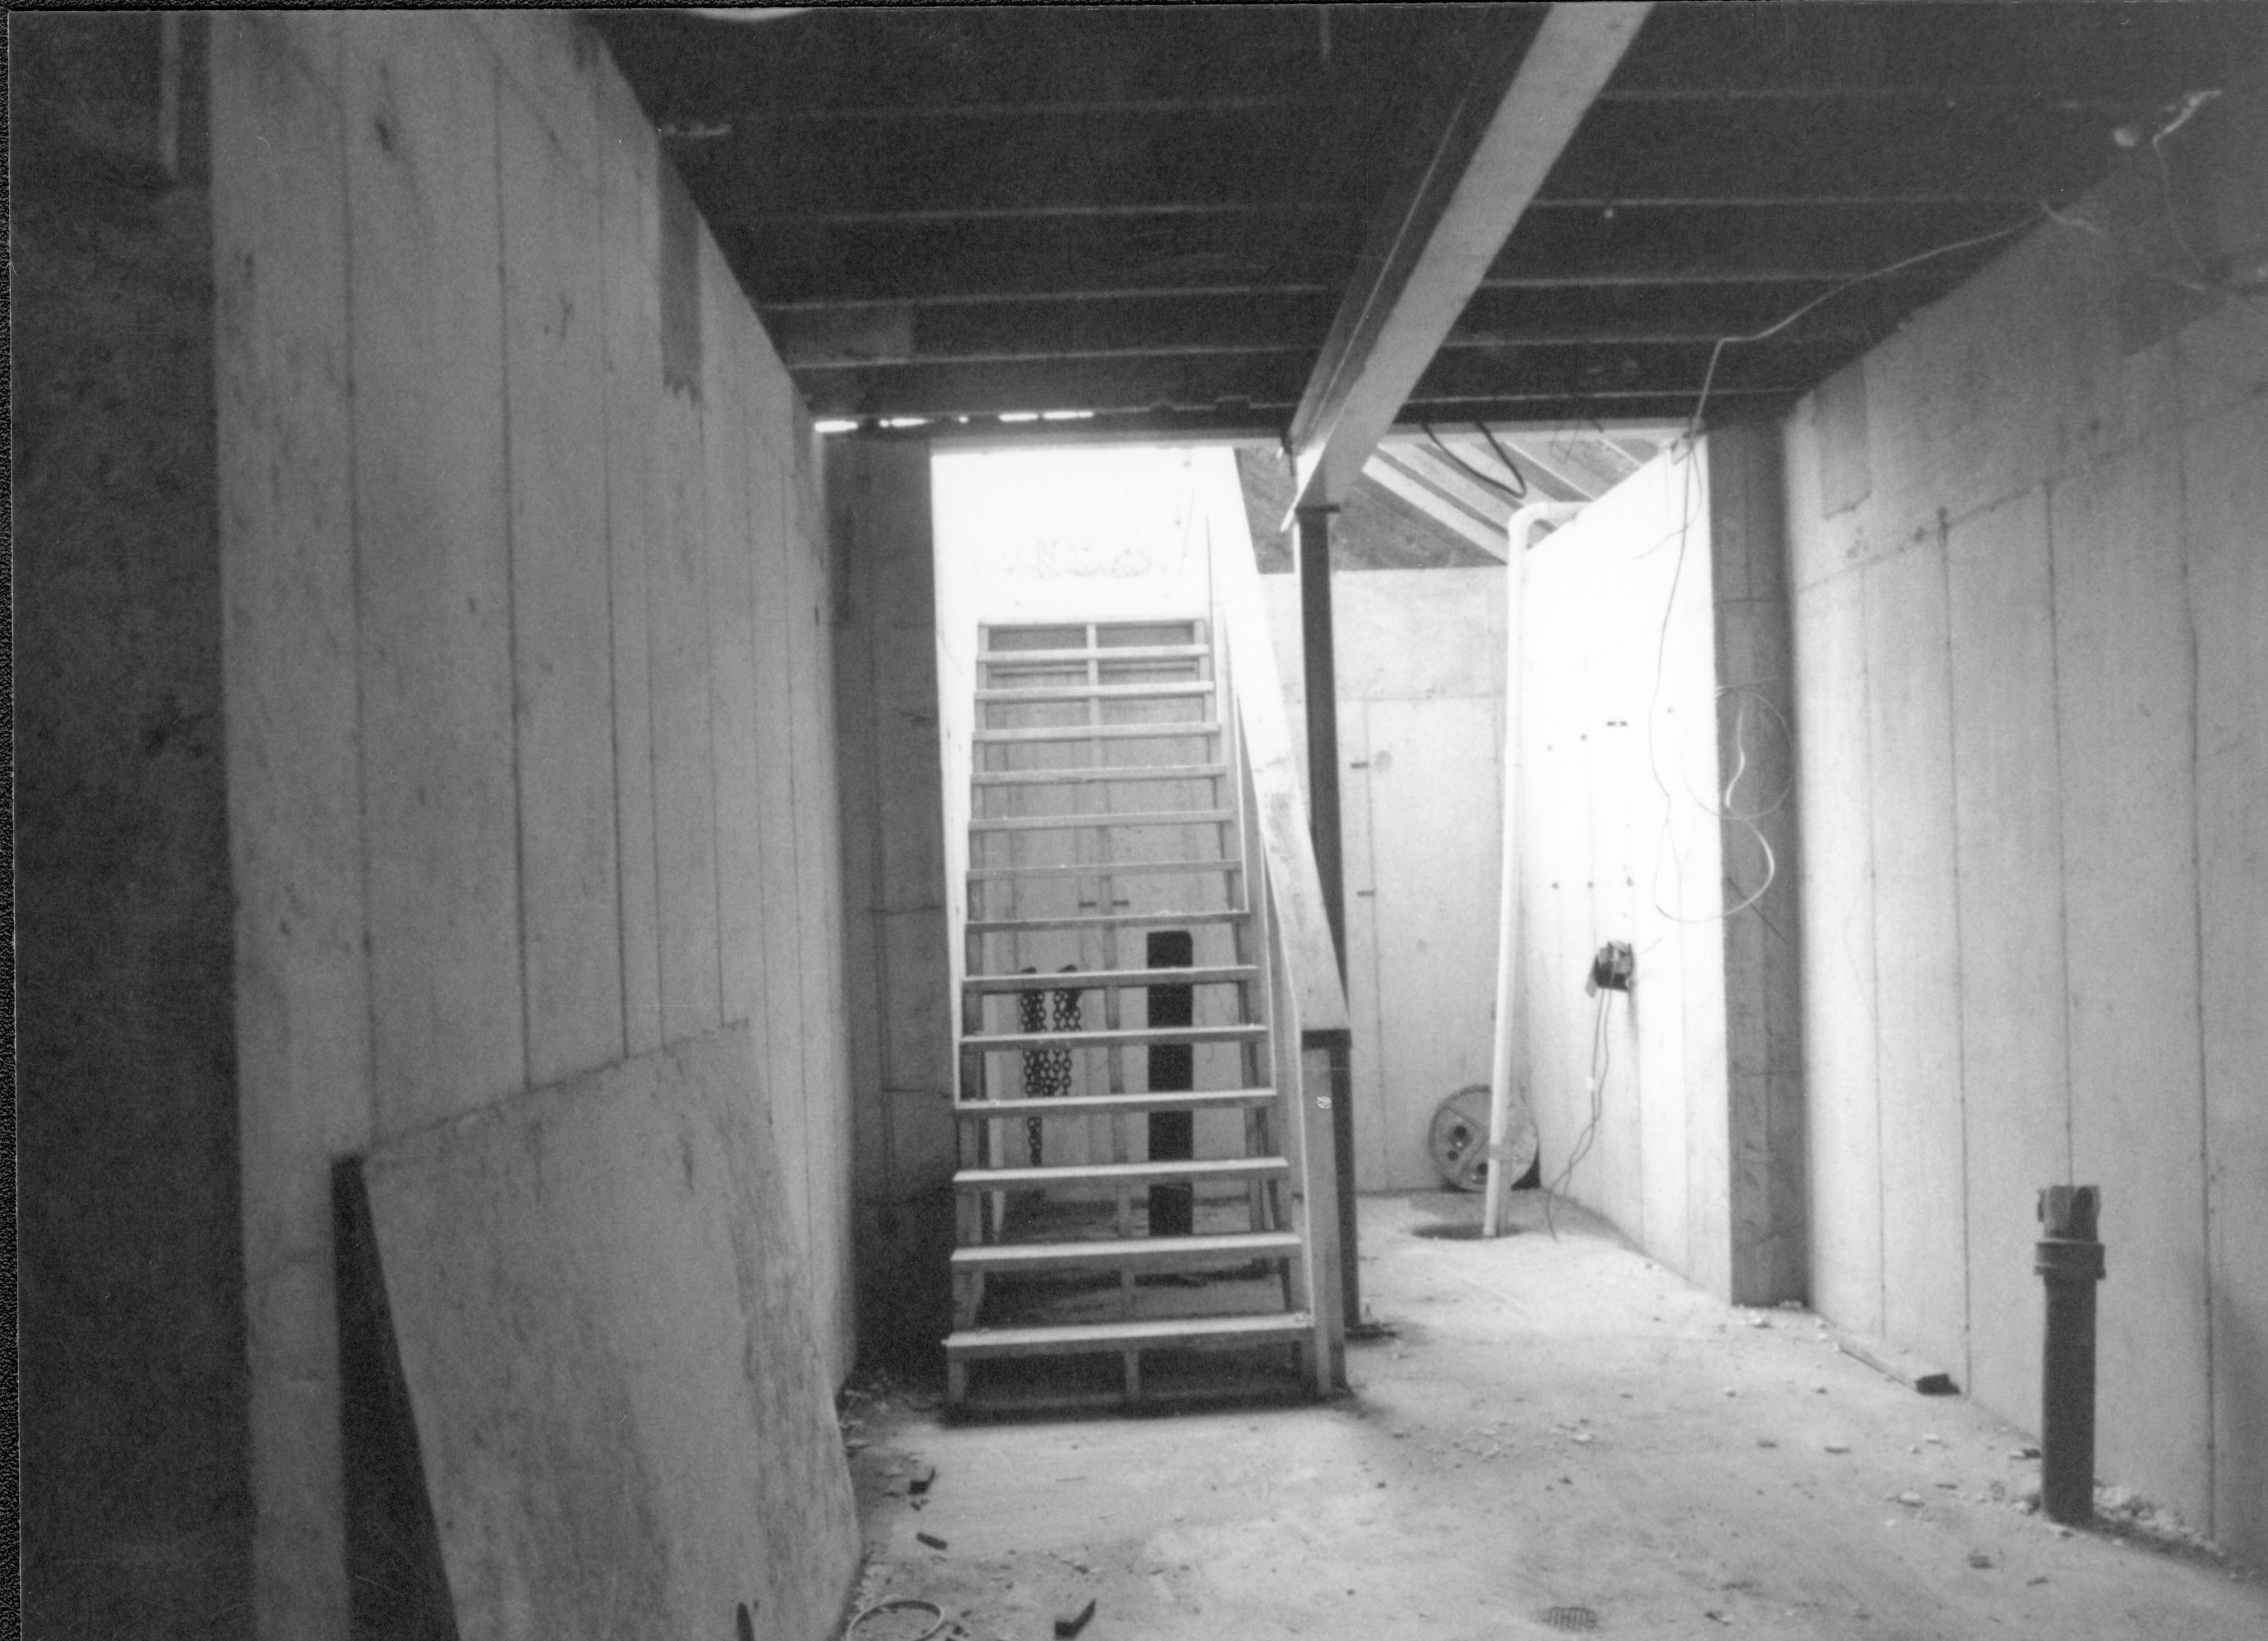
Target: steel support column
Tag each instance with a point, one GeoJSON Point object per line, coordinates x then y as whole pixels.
{"type": "Point", "coordinates": [1320, 671]}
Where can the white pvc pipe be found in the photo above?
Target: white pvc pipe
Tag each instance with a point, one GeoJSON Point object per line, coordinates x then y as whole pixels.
{"type": "Point", "coordinates": [1507, 927]}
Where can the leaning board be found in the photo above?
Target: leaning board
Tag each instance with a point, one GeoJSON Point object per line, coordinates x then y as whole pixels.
{"type": "Point", "coordinates": [605, 1335]}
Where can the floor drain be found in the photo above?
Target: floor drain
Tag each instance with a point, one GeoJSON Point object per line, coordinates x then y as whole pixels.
{"type": "Point", "coordinates": [1570, 1618]}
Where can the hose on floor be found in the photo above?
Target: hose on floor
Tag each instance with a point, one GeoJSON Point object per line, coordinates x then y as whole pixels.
{"type": "Point", "coordinates": [900, 1603]}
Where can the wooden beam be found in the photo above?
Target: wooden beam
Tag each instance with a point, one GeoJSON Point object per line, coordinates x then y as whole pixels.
{"type": "Point", "coordinates": [1434, 243]}
{"type": "Point", "coordinates": [1396, 480]}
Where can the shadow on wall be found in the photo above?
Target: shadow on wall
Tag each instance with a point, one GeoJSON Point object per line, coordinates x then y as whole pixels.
{"type": "Point", "coordinates": [136, 1506]}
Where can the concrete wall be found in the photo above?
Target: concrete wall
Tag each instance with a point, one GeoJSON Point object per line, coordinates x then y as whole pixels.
{"type": "Point", "coordinates": [136, 1510]}
{"type": "Point", "coordinates": [1655, 766]}
{"type": "Point", "coordinates": [2031, 622]}
{"type": "Point", "coordinates": [527, 666]}
{"type": "Point", "coordinates": [1420, 661]}
{"type": "Point", "coordinates": [894, 878]}
{"type": "Point", "coordinates": [1618, 782]}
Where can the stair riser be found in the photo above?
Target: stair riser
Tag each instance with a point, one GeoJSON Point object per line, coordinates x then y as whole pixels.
{"type": "Point", "coordinates": [1105, 822]}
{"type": "Point", "coordinates": [1135, 1254]}
{"type": "Point", "coordinates": [1106, 1177]}
{"type": "Point", "coordinates": [1129, 920]}
{"type": "Point", "coordinates": [1177, 690]}
{"type": "Point", "coordinates": [1042, 734]}
{"type": "Point", "coordinates": [1248, 1332]}
{"type": "Point", "coordinates": [1115, 1105]}
{"type": "Point", "coordinates": [1095, 871]}
{"type": "Point", "coordinates": [1107, 980]}
{"type": "Point", "coordinates": [1127, 773]}
{"type": "Point", "coordinates": [1027, 1043]}
{"type": "Point", "coordinates": [1111, 656]}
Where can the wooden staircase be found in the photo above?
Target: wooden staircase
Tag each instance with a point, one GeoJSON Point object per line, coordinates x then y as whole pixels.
{"type": "Point", "coordinates": [1134, 1178]}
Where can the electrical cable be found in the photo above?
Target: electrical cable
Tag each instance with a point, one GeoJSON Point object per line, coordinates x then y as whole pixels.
{"type": "Point", "coordinates": [1601, 1058]}
{"type": "Point", "coordinates": [1709, 378]}
{"type": "Point", "coordinates": [1503, 455]}
{"type": "Point", "coordinates": [1686, 505]}
{"type": "Point", "coordinates": [1494, 483]}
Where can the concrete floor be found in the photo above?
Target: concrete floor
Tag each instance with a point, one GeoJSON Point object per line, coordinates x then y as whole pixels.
{"type": "Point", "coordinates": [1553, 1426]}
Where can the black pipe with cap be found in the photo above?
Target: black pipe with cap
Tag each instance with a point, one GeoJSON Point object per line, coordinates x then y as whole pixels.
{"type": "Point", "coordinates": [2070, 1260]}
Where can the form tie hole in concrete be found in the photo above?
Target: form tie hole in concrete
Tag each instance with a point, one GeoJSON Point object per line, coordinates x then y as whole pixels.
{"type": "Point", "coordinates": [744, 1624]}
{"type": "Point", "coordinates": [1570, 1618]}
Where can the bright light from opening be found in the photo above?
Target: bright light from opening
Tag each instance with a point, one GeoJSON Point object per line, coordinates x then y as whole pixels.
{"type": "Point", "coordinates": [834, 427]}
{"type": "Point", "coordinates": [905, 421]}
{"type": "Point", "coordinates": [1066, 415]}
{"type": "Point", "coordinates": [1020, 416]}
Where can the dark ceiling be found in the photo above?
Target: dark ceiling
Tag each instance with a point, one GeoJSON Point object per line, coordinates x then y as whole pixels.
{"type": "Point", "coordinates": [1151, 213]}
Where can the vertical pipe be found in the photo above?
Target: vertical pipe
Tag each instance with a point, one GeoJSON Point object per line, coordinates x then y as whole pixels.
{"type": "Point", "coordinates": [1507, 925]}
{"type": "Point", "coordinates": [1320, 668]}
{"type": "Point", "coordinates": [2070, 1260]}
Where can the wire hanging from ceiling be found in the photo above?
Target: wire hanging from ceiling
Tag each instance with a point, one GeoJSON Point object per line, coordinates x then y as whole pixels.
{"type": "Point", "coordinates": [1517, 490]}
{"type": "Point", "coordinates": [1709, 378]}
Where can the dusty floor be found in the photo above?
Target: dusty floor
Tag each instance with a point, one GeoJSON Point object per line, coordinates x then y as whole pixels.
{"type": "Point", "coordinates": [1560, 1436]}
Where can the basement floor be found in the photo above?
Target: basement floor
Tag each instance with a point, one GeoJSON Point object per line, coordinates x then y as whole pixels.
{"type": "Point", "coordinates": [1560, 1436]}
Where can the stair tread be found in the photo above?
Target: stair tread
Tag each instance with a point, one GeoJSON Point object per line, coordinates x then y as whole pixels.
{"type": "Point", "coordinates": [1092, 1105]}
{"type": "Point", "coordinates": [1105, 979]}
{"type": "Point", "coordinates": [1125, 1037]}
{"type": "Point", "coordinates": [1073, 657]}
{"type": "Point", "coordinates": [1080, 822]}
{"type": "Point", "coordinates": [1100, 775]}
{"type": "Point", "coordinates": [1097, 919]}
{"type": "Point", "coordinates": [1117, 1172]}
{"type": "Point", "coordinates": [1111, 869]}
{"type": "Point", "coordinates": [1072, 1337]}
{"type": "Point", "coordinates": [1166, 1250]}
{"type": "Point", "coordinates": [1043, 732]}
{"type": "Point", "coordinates": [1162, 690]}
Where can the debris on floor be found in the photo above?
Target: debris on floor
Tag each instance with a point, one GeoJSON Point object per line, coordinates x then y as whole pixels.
{"type": "Point", "coordinates": [1213, 1523]}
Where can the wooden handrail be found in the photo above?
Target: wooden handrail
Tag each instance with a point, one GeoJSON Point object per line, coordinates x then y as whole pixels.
{"type": "Point", "coordinates": [1310, 1038]}
{"type": "Point", "coordinates": [1294, 886]}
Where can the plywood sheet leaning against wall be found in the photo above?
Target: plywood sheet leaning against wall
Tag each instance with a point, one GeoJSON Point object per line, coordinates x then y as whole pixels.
{"type": "Point", "coordinates": [601, 1317]}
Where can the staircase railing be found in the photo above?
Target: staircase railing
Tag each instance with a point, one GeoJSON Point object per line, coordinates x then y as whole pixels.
{"type": "Point", "coordinates": [1309, 1031]}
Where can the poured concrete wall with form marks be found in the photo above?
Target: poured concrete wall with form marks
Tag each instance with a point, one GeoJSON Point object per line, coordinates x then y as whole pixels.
{"type": "Point", "coordinates": [1420, 662]}
{"type": "Point", "coordinates": [894, 855]}
{"type": "Point", "coordinates": [529, 684]}
{"type": "Point", "coordinates": [2029, 545]}
{"type": "Point", "coordinates": [1654, 750]}
{"type": "Point", "coordinates": [1696, 1150]}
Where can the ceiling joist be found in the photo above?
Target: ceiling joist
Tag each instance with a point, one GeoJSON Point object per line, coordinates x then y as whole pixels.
{"type": "Point", "coordinates": [1396, 480]}
{"type": "Point", "coordinates": [1152, 214]}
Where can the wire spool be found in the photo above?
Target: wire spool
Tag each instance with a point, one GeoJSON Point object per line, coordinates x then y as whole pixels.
{"type": "Point", "coordinates": [1458, 1138]}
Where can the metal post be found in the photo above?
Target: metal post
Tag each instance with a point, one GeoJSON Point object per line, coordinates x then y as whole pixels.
{"type": "Point", "coordinates": [1320, 671]}
{"type": "Point", "coordinates": [2070, 1259]}
{"type": "Point", "coordinates": [1507, 937]}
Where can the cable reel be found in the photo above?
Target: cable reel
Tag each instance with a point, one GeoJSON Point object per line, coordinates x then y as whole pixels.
{"type": "Point", "coordinates": [1458, 1138]}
